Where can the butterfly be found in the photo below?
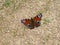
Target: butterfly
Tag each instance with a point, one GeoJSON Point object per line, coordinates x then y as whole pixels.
{"type": "Point", "coordinates": [33, 22]}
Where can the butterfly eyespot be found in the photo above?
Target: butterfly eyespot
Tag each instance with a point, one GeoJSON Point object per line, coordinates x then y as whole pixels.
{"type": "Point", "coordinates": [40, 15]}
{"type": "Point", "coordinates": [23, 21]}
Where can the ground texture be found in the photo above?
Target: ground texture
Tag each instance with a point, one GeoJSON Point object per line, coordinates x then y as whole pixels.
{"type": "Point", "coordinates": [13, 32]}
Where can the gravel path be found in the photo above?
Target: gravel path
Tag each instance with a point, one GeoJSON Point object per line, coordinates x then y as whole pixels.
{"type": "Point", "coordinates": [13, 32]}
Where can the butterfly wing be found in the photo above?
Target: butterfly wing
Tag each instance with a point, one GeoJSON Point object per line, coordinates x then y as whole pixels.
{"type": "Point", "coordinates": [37, 20]}
{"type": "Point", "coordinates": [28, 23]}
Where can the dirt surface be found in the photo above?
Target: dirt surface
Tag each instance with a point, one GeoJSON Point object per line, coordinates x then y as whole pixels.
{"type": "Point", "coordinates": [13, 32]}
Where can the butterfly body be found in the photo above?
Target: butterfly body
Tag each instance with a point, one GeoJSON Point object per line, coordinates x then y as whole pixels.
{"type": "Point", "coordinates": [33, 22]}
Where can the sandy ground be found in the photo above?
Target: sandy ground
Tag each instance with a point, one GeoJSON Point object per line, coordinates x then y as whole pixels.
{"type": "Point", "coordinates": [13, 32]}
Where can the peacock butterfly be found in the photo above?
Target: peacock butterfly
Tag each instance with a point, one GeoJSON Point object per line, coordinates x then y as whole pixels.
{"type": "Point", "coordinates": [33, 22]}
